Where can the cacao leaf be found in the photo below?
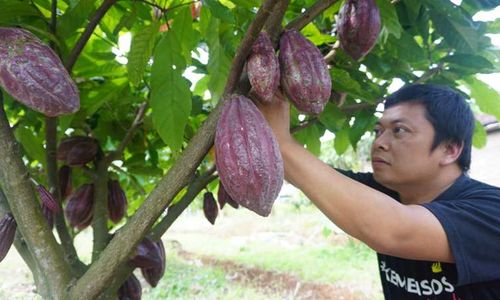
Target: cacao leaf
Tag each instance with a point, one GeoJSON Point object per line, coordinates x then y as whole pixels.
{"type": "Point", "coordinates": [141, 50]}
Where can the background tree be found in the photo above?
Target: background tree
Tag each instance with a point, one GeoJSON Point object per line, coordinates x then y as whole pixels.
{"type": "Point", "coordinates": [155, 124]}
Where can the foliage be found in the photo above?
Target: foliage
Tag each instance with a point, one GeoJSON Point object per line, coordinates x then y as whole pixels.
{"type": "Point", "coordinates": [171, 45]}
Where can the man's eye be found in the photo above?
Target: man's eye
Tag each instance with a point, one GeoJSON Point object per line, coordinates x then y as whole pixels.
{"type": "Point", "coordinates": [377, 131]}
{"type": "Point", "coordinates": [399, 130]}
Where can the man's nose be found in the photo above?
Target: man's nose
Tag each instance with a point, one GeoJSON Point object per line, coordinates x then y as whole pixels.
{"type": "Point", "coordinates": [381, 142]}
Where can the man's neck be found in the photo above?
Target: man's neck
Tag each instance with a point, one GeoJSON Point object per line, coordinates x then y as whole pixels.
{"type": "Point", "coordinates": [427, 190]}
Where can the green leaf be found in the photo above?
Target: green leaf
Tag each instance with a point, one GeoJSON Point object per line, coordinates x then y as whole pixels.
{"type": "Point", "coordinates": [331, 117]}
{"type": "Point", "coordinates": [486, 98]}
{"type": "Point", "coordinates": [479, 138]}
{"type": "Point", "coordinates": [310, 136]}
{"type": "Point", "coordinates": [32, 144]}
{"type": "Point", "coordinates": [74, 18]}
{"type": "Point", "coordinates": [184, 32]}
{"type": "Point", "coordinates": [170, 94]}
{"type": "Point", "coordinates": [468, 60]}
{"type": "Point", "coordinates": [218, 62]}
{"type": "Point", "coordinates": [311, 32]}
{"type": "Point", "coordinates": [389, 17]}
{"type": "Point", "coordinates": [219, 11]}
{"type": "Point", "coordinates": [364, 121]}
{"type": "Point", "coordinates": [408, 50]}
{"type": "Point", "coordinates": [341, 143]}
{"type": "Point", "coordinates": [14, 9]}
{"type": "Point", "coordinates": [343, 82]}
{"type": "Point", "coordinates": [141, 49]}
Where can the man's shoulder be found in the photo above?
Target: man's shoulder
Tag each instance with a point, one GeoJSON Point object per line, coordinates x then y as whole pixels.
{"type": "Point", "coordinates": [469, 188]}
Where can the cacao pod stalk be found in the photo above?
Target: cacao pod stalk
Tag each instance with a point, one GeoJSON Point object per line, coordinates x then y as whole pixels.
{"type": "Point", "coordinates": [32, 73]}
{"type": "Point", "coordinates": [8, 227]}
{"type": "Point", "coordinates": [248, 158]}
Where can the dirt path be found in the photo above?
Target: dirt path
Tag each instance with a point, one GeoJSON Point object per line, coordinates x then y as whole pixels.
{"type": "Point", "coordinates": [273, 282]}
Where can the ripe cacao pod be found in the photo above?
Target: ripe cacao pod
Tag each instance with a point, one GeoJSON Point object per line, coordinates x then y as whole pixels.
{"type": "Point", "coordinates": [49, 215]}
{"type": "Point", "coordinates": [223, 197]}
{"type": "Point", "coordinates": [147, 255]}
{"type": "Point", "coordinates": [33, 74]}
{"type": "Point", "coordinates": [130, 289]}
{"type": "Point", "coordinates": [7, 233]}
{"type": "Point", "coordinates": [304, 74]}
{"type": "Point", "coordinates": [210, 208]}
{"type": "Point", "coordinates": [358, 27]}
{"type": "Point", "coordinates": [153, 275]}
{"type": "Point", "coordinates": [79, 210]}
{"type": "Point", "coordinates": [117, 201]}
{"type": "Point", "coordinates": [65, 181]}
{"type": "Point", "coordinates": [247, 156]}
{"type": "Point", "coordinates": [263, 68]}
{"type": "Point", "coordinates": [77, 150]}
{"type": "Point", "coordinates": [47, 198]}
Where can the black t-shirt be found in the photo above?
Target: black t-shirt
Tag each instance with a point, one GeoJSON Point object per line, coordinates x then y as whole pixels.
{"type": "Point", "coordinates": [470, 214]}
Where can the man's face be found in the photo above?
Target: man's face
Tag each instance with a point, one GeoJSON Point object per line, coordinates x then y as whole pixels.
{"type": "Point", "coordinates": [401, 151]}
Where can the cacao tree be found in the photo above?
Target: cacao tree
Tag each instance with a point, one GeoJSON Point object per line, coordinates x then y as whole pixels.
{"type": "Point", "coordinates": [135, 152]}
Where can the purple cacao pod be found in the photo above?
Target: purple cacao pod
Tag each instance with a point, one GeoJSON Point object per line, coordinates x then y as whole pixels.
{"type": "Point", "coordinates": [223, 197]}
{"type": "Point", "coordinates": [263, 68]}
{"type": "Point", "coordinates": [147, 255]}
{"type": "Point", "coordinates": [358, 27]}
{"type": "Point", "coordinates": [247, 155]}
{"type": "Point", "coordinates": [117, 201]}
{"type": "Point", "coordinates": [77, 150]}
{"type": "Point", "coordinates": [130, 289]}
{"type": "Point", "coordinates": [210, 208]}
{"type": "Point", "coordinates": [32, 73]}
{"type": "Point", "coordinates": [304, 74]}
{"type": "Point", "coordinates": [49, 215]}
{"type": "Point", "coordinates": [7, 233]}
{"type": "Point", "coordinates": [153, 275]}
{"type": "Point", "coordinates": [65, 181]}
{"type": "Point", "coordinates": [47, 198]}
{"type": "Point", "coordinates": [79, 210]}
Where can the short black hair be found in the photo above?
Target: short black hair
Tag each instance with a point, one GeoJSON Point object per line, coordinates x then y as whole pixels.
{"type": "Point", "coordinates": [447, 111]}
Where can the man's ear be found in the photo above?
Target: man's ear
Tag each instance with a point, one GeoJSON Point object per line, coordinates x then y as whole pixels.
{"type": "Point", "coordinates": [451, 152]}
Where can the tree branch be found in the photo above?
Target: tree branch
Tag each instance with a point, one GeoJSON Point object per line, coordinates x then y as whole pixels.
{"type": "Point", "coordinates": [128, 136]}
{"type": "Point", "coordinates": [96, 18]}
{"type": "Point", "coordinates": [101, 272]}
{"type": "Point", "coordinates": [273, 24]}
{"type": "Point", "coordinates": [26, 210]}
{"type": "Point", "coordinates": [310, 14]}
{"type": "Point", "coordinates": [100, 213]}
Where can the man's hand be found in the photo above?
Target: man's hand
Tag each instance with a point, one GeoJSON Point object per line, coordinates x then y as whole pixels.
{"type": "Point", "coordinates": [277, 114]}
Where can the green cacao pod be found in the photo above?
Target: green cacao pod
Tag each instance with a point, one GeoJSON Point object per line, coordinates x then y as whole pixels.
{"type": "Point", "coordinates": [33, 74]}
{"type": "Point", "coordinates": [131, 289]}
{"type": "Point", "coordinates": [7, 233]}
{"type": "Point", "coordinates": [79, 210]}
{"type": "Point", "coordinates": [263, 68]}
{"type": "Point", "coordinates": [248, 159]}
{"type": "Point", "coordinates": [358, 27]}
{"type": "Point", "coordinates": [153, 275]}
{"type": "Point", "coordinates": [304, 74]}
{"type": "Point", "coordinates": [117, 201]}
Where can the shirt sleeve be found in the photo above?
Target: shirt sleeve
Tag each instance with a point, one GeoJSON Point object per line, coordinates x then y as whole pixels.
{"type": "Point", "coordinates": [473, 230]}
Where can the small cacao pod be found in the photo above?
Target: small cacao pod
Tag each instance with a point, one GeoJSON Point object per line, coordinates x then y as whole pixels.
{"type": "Point", "coordinates": [77, 150]}
{"type": "Point", "coordinates": [223, 197]}
{"type": "Point", "coordinates": [358, 27]}
{"type": "Point", "coordinates": [49, 215]}
{"type": "Point", "coordinates": [130, 289]}
{"type": "Point", "coordinates": [147, 255]}
{"type": "Point", "coordinates": [65, 181]}
{"type": "Point", "coordinates": [33, 74]}
{"type": "Point", "coordinates": [247, 156]}
{"type": "Point", "coordinates": [263, 68]}
{"type": "Point", "coordinates": [117, 201]}
{"type": "Point", "coordinates": [153, 275]}
{"type": "Point", "coordinates": [304, 74]}
{"type": "Point", "coordinates": [47, 198]}
{"type": "Point", "coordinates": [7, 233]}
{"type": "Point", "coordinates": [79, 210]}
{"type": "Point", "coordinates": [210, 208]}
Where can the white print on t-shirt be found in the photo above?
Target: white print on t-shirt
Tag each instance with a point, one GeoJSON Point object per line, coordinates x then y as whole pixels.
{"type": "Point", "coordinates": [411, 285]}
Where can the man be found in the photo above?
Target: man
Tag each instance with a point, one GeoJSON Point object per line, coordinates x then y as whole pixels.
{"type": "Point", "coordinates": [436, 231]}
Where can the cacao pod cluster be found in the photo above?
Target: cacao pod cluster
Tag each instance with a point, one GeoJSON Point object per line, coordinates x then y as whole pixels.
{"type": "Point", "coordinates": [33, 74]}
{"type": "Point", "coordinates": [358, 27]}
{"type": "Point", "coordinates": [8, 227]}
{"type": "Point", "coordinates": [248, 159]}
